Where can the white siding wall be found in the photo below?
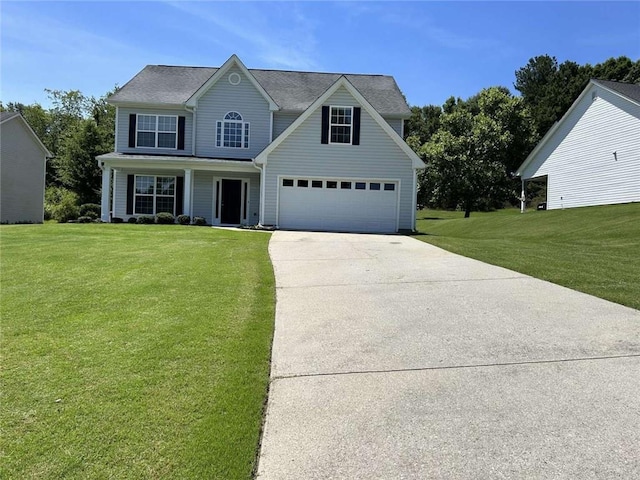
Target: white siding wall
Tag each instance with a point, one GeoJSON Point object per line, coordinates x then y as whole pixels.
{"type": "Point", "coordinates": [123, 130]}
{"type": "Point", "coordinates": [578, 159]}
{"type": "Point", "coordinates": [377, 156]}
{"type": "Point", "coordinates": [22, 171]}
{"type": "Point", "coordinates": [223, 98]}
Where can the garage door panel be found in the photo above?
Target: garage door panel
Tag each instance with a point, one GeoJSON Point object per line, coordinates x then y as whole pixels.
{"type": "Point", "coordinates": [352, 209]}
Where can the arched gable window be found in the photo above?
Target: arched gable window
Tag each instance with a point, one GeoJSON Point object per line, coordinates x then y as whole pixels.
{"type": "Point", "coordinates": [232, 132]}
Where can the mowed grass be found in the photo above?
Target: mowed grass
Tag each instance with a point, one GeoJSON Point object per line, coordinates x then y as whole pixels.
{"type": "Point", "coordinates": [133, 351]}
{"type": "Point", "coordinates": [593, 249]}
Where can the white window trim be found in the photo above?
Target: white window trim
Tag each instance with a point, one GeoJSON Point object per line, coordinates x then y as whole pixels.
{"type": "Point", "coordinates": [156, 131]}
{"type": "Point", "coordinates": [331, 107]}
{"type": "Point", "coordinates": [154, 195]}
{"type": "Point", "coordinates": [245, 139]}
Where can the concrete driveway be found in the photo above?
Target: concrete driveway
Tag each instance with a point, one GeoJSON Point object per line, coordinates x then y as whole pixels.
{"type": "Point", "coordinates": [395, 359]}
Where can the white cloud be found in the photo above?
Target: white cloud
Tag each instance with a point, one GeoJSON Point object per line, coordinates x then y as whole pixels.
{"type": "Point", "coordinates": [278, 34]}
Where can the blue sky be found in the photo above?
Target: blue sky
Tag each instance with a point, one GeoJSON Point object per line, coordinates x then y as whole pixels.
{"type": "Point", "coordinates": [433, 49]}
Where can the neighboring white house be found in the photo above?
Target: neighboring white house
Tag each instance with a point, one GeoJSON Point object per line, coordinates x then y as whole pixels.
{"type": "Point", "coordinates": [299, 150]}
{"type": "Point", "coordinates": [592, 155]}
{"type": "Point", "coordinates": [23, 160]}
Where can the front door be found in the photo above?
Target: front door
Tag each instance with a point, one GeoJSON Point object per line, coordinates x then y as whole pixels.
{"type": "Point", "coordinates": [231, 201]}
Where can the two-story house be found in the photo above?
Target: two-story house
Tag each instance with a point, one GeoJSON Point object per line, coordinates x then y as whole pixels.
{"type": "Point", "coordinates": [298, 150]}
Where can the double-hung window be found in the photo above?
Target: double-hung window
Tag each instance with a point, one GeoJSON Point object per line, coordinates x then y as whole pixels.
{"type": "Point", "coordinates": [340, 124]}
{"type": "Point", "coordinates": [157, 131]}
{"type": "Point", "coordinates": [232, 132]}
{"type": "Point", "coordinates": [154, 195]}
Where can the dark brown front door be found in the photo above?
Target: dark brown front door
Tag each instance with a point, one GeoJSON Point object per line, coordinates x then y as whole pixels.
{"type": "Point", "coordinates": [231, 201]}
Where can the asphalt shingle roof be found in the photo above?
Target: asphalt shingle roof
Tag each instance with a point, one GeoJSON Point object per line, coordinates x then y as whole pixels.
{"type": "Point", "coordinates": [7, 115]}
{"type": "Point", "coordinates": [292, 91]}
{"type": "Point", "coordinates": [629, 90]}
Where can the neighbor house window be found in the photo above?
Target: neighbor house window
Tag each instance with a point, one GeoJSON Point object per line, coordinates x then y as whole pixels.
{"type": "Point", "coordinates": [154, 195]}
{"type": "Point", "coordinates": [232, 132]}
{"type": "Point", "coordinates": [340, 124]}
{"type": "Point", "coordinates": [157, 131]}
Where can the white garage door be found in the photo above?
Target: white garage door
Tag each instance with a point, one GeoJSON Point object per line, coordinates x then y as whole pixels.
{"type": "Point", "coordinates": [338, 205]}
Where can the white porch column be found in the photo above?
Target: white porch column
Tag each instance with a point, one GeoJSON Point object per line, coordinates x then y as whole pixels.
{"type": "Point", "coordinates": [186, 202]}
{"type": "Point", "coordinates": [523, 197]}
{"type": "Point", "coordinates": [106, 187]}
{"type": "Point", "coordinates": [114, 186]}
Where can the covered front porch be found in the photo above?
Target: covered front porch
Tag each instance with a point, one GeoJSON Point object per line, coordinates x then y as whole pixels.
{"type": "Point", "coordinates": [223, 192]}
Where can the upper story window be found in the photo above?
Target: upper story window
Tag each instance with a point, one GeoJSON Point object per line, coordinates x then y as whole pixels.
{"type": "Point", "coordinates": [232, 132]}
{"type": "Point", "coordinates": [340, 124]}
{"type": "Point", "coordinates": [157, 131]}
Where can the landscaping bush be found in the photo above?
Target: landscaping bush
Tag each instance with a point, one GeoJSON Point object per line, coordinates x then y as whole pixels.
{"type": "Point", "coordinates": [60, 204]}
{"type": "Point", "coordinates": [90, 210]}
{"type": "Point", "coordinates": [146, 219]}
{"type": "Point", "coordinates": [165, 218]}
{"type": "Point", "coordinates": [184, 219]}
{"type": "Point", "coordinates": [116, 220]}
{"type": "Point", "coordinates": [132, 220]}
{"type": "Point", "coordinates": [199, 221]}
{"type": "Point", "coordinates": [85, 219]}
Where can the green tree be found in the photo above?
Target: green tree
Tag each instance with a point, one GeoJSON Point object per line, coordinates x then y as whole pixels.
{"type": "Point", "coordinates": [423, 123]}
{"type": "Point", "coordinates": [549, 89]}
{"type": "Point", "coordinates": [469, 160]}
{"type": "Point", "coordinates": [77, 168]}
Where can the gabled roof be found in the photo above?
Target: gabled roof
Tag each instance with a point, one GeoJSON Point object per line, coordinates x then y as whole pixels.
{"type": "Point", "coordinates": [342, 81]}
{"type": "Point", "coordinates": [290, 90]}
{"type": "Point", "coordinates": [627, 91]}
{"type": "Point", "coordinates": [6, 116]}
{"type": "Point", "coordinates": [233, 60]}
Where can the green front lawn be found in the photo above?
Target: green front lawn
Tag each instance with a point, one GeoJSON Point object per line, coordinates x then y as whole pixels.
{"type": "Point", "coordinates": [594, 249]}
{"type": "Point", "coordinates": [133, 351]}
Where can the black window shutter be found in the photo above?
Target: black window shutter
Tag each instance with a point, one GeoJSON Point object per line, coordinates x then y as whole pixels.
{"type": "Point", "coordinates": [325, 125]}
{"type": "Point", "coordinates": [130, 180]}
{"type": "Point", "coordinates": [132, 130]}
{"type": "Point", "coordinates": [355, 139]}
{"type": "Point", "coordinates": [180, 133]}
{"type": "Point", "coordinates": [179, 195]}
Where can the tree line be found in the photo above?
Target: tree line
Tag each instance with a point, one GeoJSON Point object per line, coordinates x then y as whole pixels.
{"type": "Point", "coordinates": [75, 129]}
{"type": "Point", "coordinates": [471, 147]}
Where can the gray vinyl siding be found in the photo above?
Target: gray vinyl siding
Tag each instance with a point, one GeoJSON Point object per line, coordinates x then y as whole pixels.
{"type": "Point", "coordinates": [123, 131]}
{"type": "Point", "coordinates": [377, 156]}
{"type": "Point", "coordinates": [203, 194]}
{"type": "Point", "coordinates": [281, 122]}
{"type": "Point", "coordinates": [202, 191]}
{"type": "Point", "coordinates": [119, 209]}
{"type": "Point", "coordinates": [22, 172]}
{"type": "Point", "coordinates": [223, 98]}
{"type": "Point", "coordinates": [578, 158]}
{"type": "Point", "coordinates": [396, 124]}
